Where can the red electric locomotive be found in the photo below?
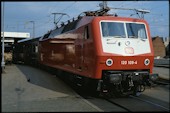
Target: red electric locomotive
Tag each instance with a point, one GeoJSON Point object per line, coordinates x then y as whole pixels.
{"type": "Point", "coordinates": [113, 54]}
{"type": "Point", "coordinates": [110, 54]}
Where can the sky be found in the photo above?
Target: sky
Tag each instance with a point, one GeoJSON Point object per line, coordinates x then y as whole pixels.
{"type": "Point", "coordinates": [17, 15]}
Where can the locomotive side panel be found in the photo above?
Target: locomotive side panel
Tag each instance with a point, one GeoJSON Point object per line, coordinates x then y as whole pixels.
{"type": "Point", "coordinates": [54, 52]}
{"type": "Point", "coordinates": [72, 51]}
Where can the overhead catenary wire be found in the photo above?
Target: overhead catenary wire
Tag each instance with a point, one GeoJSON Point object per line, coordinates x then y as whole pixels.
{"type": "Point", "coordinates": [43, 20]}
{"type": "Point", "coordinates": [59, 17]}
{"type": "Point", "coordinates": [49, 21]}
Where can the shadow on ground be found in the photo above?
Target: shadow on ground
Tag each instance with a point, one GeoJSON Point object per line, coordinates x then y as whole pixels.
{"type": "Point", "coordinates": [43, 78]}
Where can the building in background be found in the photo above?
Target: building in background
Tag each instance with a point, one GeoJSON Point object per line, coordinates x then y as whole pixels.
{"type": "Point", "coordinates": [159, 47]}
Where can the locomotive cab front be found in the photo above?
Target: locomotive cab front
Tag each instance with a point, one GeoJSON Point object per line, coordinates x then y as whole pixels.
{"type": "Point", "coordinates": [124, 55]}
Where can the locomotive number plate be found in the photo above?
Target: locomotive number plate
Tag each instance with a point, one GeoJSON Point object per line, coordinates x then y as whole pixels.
{"type": "Point", "coordinates": [129, 62]}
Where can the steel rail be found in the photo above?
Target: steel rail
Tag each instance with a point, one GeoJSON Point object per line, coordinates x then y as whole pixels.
{"type": "Point", "coordinates": [155, 104]}
{"type": "Point", "coordinates": [117, 104]}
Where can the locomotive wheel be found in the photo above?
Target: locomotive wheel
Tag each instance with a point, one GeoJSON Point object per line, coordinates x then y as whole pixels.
{"type": "Point", "coordinates": [138, 90]}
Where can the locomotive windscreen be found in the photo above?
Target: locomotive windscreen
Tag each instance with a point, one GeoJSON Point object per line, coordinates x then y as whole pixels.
{"type": "Point", "coordinates": [120, 29]}
{"type": "Point", "coordinates": [112, 29]}
{"type": "Point", "coordinates": [136, 30]}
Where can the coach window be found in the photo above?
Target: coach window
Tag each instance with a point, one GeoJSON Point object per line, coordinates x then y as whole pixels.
{"type": "Point", "coordinates": [36, 48]}
{"type": "Point", "coordinates": [46, 35]}
{"type": "Point", "coordinates": [86, 33]}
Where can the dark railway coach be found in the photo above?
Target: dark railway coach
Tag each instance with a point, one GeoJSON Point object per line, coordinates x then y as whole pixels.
{"type": "Point", "coordinates": [26, 51]}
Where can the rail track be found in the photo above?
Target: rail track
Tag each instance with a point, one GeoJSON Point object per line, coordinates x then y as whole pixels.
{"type": "Point", "coordinates": [136, 104]}
{"type": "Point", "coordinates": [150, 102]}
{"type": "Point", "coordinates": [142, 103]}
{"type": "Point", "coordinates": [118, 104]}
{"type": "Point", "coordinates": [162, 82]}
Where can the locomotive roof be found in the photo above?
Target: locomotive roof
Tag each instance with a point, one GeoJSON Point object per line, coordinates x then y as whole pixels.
{"type": "Point", "coordinates": [87, 19]}
{"type": "Point", "coordinates": [84, 20]}
{"type": "Point", "coordinates": [28, 39]}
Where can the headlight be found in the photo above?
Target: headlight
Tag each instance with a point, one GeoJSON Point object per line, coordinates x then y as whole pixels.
{"type": "Point", "coordinates": [109, 62]}
{"type": "Point", "coordinates": [115, 78]}
{"type": "Point", "coordinates": [147, 62]}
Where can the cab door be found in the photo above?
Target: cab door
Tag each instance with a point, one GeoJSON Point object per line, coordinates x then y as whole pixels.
{"type": "Point", "coordinates": [82, 48]}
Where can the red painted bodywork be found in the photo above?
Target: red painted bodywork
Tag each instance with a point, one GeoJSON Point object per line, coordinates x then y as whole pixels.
{"type": "Point", "coordinates": [72, 52]}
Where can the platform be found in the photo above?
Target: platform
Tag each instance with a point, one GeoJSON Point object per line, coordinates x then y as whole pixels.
{"type": "Point", "coordinates": [162, 71]}
{"type": "Point", "coordinates": [44, 92]}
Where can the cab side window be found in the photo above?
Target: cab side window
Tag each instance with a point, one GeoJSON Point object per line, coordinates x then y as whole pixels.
{"type": "Point", "coordinates": [86, 33]}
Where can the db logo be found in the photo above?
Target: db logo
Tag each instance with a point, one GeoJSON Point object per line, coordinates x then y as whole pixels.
{"type": "Point", "coordinates": [129, 50]}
